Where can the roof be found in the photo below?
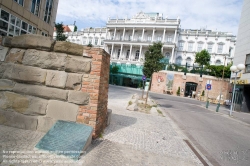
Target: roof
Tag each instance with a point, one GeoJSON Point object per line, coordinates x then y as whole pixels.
{"type": "Point", "coordinates": [65, 28]}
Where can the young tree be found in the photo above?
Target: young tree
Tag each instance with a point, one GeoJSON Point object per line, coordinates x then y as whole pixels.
{"type": "Point", "coordinates": [59, 32]}
{"type": "Point", "coordinates": [75, 28]}
{"type": "Point", "coordinates": [202, 58]}
{"type": "Point", "coordinates": [152, 62]}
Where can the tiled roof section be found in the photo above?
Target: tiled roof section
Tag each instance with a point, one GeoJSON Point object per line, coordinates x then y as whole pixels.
{"type": "Point", "coordinates": [65, 28]}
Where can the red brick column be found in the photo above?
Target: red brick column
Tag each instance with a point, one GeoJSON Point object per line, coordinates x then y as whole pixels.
{"type": "Point", "coordinates": [96, 84]}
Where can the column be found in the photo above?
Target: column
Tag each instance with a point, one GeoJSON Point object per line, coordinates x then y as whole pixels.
{"type": "Point", "coordinates": [112, 49]}
{"type": "Point", "coordinates": [106, 34]}
{"type": "Point", "coordinates": [123, 34]}
{"type": "Point", "coordinates": [142, 34]}
{"type": "Point", "coordinates": [130, 52]}
{"type": "Point", "coordinates": [172, 56]}
{"type": "Point", "coordinates": [114, 34]}
{"type": "Point", "coordinates": [163, 38]}
{"type": "Point", "coordinates": [175, 32]}
{"type": "Point", "coordinates": [153, 35]}
{"type": "Point", "coordinates": [133, 34]}
{"type": "Point", "coordinates": [121, 51]}
{"type": "Point", "coordinates": [140, 53]}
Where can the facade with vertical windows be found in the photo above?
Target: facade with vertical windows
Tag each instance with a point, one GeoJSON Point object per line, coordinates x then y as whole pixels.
{"type": "Point", "coordinates": [242, 56]}
{"type": "Point", "coordinates": [19, 17]}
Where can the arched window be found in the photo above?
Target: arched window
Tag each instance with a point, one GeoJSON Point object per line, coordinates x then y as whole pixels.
{"type": "Point", "coordinates": [178, 60]}
{"type": "Point", "coordinates": [167, 55]}
{"type": "Point", "coordinates": [218, 62]}
{"type": "Point", "coordinates": [118, 53]}
{"type": "Point", "coordinates": [90, 40]}
{"type": "Point", "coordinates": [102, 41]}
{"type": "Point", "coordinates": [127, 55]}
{"type": "Point", "coordinates": [188, 60]}
{"type": "Point", "coordinates": [96, 41]}
{"type": "Point", "coordinates": [137, 55]}
{"type": "Point", "coordinates": [159, 38]}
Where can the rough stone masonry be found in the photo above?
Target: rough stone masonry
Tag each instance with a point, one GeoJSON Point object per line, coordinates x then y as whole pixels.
{"type": "Point", "coordinates": [42, 80]}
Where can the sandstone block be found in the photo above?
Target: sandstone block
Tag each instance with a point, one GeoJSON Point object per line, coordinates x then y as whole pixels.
{"type": "Point", "coordinates": [76, 64]}
{"type": "Point", "coordinates": [6, 41]}
{"type": "Point", "coordinates": [62, 110]}
{"type": "Point", "coordinates": [3, 52]}
{"type": "Point", "coordinates": [56, 78]}
{"type": "Point", "coordinates": [6, 84]}
{"type": "Point", "coordinates": [78, 97]}
{"type": "Point", "coordinates": [29, 41]}
{"type": "Point", "coordinates": [15, 55]}
{"type": "Point", "coordinates": [5, 70]}
{"type": "Point", "coordinates": [45, 123]}
{"type": "Point", "coordinates": [27, 105]}
{"type": "Point", "coordinates": [28, 74]}
{"type": "Point", "coordinates": [69, 48]}
{"type": "Point", "coordinates": [45, 60]}
{"type": "Point", "coordinates": [74, 81]}
{"type": "Point", "coordinates": [41, 91]}
{"type": "Point", "coordinates": [17, 120]}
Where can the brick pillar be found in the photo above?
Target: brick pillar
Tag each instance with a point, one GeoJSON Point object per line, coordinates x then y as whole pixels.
{"type": "Point", "coordinates": [96, 84]}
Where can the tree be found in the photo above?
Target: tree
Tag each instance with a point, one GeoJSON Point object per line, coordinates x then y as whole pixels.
{"type": "Point", "coordinates": [114, 69]}
{"type": "Point", "coordinates": [152, 62]}
{"type": "Point", "coordinates": [202, 58]}
{"type": "Point", "coordinates": [218, 70]}
{"type": "Point", "coordinates": [59, 32]}
{"type": "Point", "coordinates": [75, 28]}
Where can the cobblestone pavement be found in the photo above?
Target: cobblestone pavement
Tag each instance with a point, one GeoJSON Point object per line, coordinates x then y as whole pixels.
{"type": "Point", "coordinates": [132, 138]}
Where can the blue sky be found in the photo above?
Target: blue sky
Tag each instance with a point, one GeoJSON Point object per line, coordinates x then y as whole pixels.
{"type": "Point", "coordinates": [222, 15]}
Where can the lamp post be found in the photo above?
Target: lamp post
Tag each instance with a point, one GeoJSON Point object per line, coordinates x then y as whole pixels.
{"type": "Point", "coordinates": [236, 70]}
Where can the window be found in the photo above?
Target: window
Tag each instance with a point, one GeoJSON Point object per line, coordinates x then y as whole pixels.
{"type": "Point", "coordinates": [210, 48]}
{"type": "Point", "coordinates": [149, 38]}
{"type": "Point", "coordinates": [190, 46]}
{"type": "Point", "coordinates": [130, 37]}
{"type": "Point", "coordinates": [24, 26]}
{"type": "Point", "coordinates": [159, 38]}
{"type": "Point", "coordinates": [48, 9]}
{"type": "Point", "coordinates": [3, 25]}
{"type": "Point", "coordinates": [3, 33]}
{"type": "Point", "coordinates": [178, 60]}
{"type": "Point", "coordinates": [96, 41]}
{"type": "Point", "coordinates": [18, 22]}
{"type": "Point", "coordinates": [199, 48]}
{"type": "Point", "coordinates": [102, 41]}
{"type": "Point", "coordinates": [127, 55]}
{"type": "Point", "coordinates": [118, 53]}
{"type": "Point", "coordinates": [35, 4]}
{"type": "Point", "coordinates": [90, 40]}
{"type": "Point", "coordinates": [218, 62]}
{"type": "Point", "coordinates": [110, 51]}
{"type": "Point", "coordinates": [181, 44]}
{"type": "Point", "coordinates": [11, 29]}
{"type": "Point", "coordinates": [34, 30]}
{"type": "Point", "coordinates": [137, 53]}
{"type": "Point", "coordinates": [167, 55]}
{"type": "Point", "coordinates": [169, 39]}
{"type": "Point", "coordinates": [188, 60]}
{"type": "Point", "coordinates": [13, 20]}
{"type": "Point", "coordinates": [17, 31]}
{"type": "Point", "coordinates": [220, 48]}
{"type": "Point", "coordinates": [30, 29]}
{"type": "Point", "coordinates": [4, 15]}
{"type": "Point", "coordinates": [248, 63]}
{"type": "Point", "coordinates": [20, 2]}
{"type": "Point", "coordinates": [84, 40]}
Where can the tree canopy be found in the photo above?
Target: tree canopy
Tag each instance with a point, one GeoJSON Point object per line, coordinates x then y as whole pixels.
{"type": "Point", "coordinates": [152, 60]}
{"type": "Point", "coordinates": [75, 28]}
{"type": "Point", "coordinates": [59, 32]}
{"type": "Point", "coordinates": [202, 58]}
{"type": "Point", "coordinates": [217, 71]}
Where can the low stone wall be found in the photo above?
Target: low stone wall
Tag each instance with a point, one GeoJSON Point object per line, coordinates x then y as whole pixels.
{"type": "Point", "coordinates": [160, 83]}
{"type": "Point", "coordinates": [42, 81]}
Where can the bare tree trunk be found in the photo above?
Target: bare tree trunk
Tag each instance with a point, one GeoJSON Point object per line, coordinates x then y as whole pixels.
{"type": "Point", "coordinates": [148, 90]}
{"type": "Point", "coordinates": [143, 86]}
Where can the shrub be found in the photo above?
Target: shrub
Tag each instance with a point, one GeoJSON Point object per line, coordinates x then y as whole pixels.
{"type": "Point", "coordinates": [178, 91]}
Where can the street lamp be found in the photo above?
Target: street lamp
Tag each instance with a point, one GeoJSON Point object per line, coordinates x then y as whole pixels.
{"type": "Point", "coordinates": [236, 70]}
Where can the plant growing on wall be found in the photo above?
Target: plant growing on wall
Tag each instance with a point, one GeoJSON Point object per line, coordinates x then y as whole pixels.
{"type": "Point", "coordinates": [203, 93]}
{"type": "Point", "coordinates": [178, 91]}
{"type": "Point", "coordinates": [59, 32]}
{"type": "Point", "coordinates": [152, 62]}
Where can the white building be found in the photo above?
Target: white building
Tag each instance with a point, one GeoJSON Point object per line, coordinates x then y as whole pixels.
{"type": "Point", "coordinates": [128, 39]}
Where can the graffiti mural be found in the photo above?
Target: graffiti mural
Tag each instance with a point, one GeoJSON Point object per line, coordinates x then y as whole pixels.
{"type": "Point", "coordinates": [169, 81]}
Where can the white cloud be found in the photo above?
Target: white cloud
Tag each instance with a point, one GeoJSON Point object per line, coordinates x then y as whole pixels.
{"type": "Point", "coordinates": [222, 15]}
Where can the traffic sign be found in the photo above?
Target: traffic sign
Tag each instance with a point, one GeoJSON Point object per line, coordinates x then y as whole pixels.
{"type": "Point", "coordinates": [144, 78]}
{"type": "Point", "coordinates": [209, 86]}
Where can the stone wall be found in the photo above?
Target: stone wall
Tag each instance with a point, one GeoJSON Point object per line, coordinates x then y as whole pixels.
{"type": "Point", "coordinates": [42, 81]}
{"type": "Point", "coordinates": [159, 82]}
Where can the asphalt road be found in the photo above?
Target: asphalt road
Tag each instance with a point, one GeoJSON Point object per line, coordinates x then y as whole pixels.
{"type": "Point", "coordinates": [221, 139]}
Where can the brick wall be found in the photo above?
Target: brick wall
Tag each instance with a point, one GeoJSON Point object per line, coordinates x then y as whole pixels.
{"type": "Point", "coordinates": [180, 81]}
{"type": "Point", "coordinates": [42, 81]}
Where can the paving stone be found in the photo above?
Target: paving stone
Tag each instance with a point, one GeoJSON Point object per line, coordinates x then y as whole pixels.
{"type": "Point", "coordinates": [44, 59]}
{"type": "Point", "coordinates": [3, 52]}
{"type": "Point", "coordinates": [6, 84]}
{"type": "Point", "coordinates": [41, 91]}
{"type": "Point", "coordinates": [78, 97]}
{"type": "Point", "coordinates": [15, 55]}
{"type": "Point", "coordinates": [76, 64]}
{"type": "Point", "coordinates": [74, 81]}
{"type": "Point", "coordinates": [62, 110]}
{"type": "Point", "coordinates": [56, 78]}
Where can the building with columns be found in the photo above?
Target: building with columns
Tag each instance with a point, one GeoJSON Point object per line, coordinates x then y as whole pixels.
{"type": "Point", "coordinates": [127, 40]}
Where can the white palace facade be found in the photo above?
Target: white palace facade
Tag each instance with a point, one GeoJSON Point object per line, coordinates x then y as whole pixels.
{"type": "Point", "coordinates": [127, 40]}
